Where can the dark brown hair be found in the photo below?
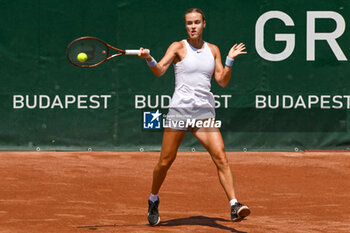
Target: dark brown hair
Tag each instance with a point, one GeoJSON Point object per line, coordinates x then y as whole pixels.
{"type": "Point", "coordinates": [195, 10]}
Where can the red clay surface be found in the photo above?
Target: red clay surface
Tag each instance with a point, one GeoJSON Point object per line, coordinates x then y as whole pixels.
{"type": "Point", "coordinates": [83, 192]}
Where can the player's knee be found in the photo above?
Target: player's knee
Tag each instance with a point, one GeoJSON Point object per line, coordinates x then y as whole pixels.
{"type": "Point", "coordinates": [164, 164]}
{"type": "Point", "coordinates": [221, 160]}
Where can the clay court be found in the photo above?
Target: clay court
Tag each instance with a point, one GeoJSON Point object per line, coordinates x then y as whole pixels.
{"type": "Point", "coordinates": [63, 192]}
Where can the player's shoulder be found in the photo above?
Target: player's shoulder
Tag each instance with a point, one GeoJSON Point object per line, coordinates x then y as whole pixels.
{"type": "Point", "coordinates": [177, 45]}
{"type": "Point", "coordinates": [215, 49]}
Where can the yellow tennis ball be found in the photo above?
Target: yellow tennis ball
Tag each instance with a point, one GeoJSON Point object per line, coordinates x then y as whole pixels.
{"type": "Point", "coordinates": [82, 57]}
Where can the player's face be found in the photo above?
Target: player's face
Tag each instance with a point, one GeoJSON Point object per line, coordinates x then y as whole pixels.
{"type": "Point", "coordinates": [194, 25]}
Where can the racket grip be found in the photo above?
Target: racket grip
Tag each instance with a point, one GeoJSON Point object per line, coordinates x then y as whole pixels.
{"type": "Point", "coordinates": [133, 51]}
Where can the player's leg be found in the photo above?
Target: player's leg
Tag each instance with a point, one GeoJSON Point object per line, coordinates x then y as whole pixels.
{"type": "Point", "coordinates": [171, 141]}
{"type": "Point", "coordinates": [212, 140]}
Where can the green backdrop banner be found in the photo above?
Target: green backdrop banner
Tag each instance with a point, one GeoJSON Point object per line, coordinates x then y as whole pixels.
{"type": "Point", "coordinates": [290, 92]}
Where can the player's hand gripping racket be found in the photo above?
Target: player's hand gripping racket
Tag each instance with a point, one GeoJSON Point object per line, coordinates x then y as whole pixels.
{"type": "Point", "coordinates": [90, 51]}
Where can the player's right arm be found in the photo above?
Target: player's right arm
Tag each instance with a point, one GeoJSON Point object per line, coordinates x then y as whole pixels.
{"type": "Point", "coordinates": [161, 67]}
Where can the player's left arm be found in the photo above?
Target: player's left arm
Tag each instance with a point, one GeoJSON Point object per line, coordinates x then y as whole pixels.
{"type": "Point", "coordinates": [222, 74]}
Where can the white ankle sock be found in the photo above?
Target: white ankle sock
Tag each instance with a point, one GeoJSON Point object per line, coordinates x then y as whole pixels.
{"type": "Point", "coordinates": [233, 201]}
{"type": "Point", "coordinates": [153, 197]}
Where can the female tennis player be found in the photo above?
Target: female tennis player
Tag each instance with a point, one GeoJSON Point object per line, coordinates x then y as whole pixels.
{"type": "Point", "coordinates": [195, 62]}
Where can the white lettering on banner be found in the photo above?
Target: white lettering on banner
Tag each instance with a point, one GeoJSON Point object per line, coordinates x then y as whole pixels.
{"type": "Point", "coordinates": [68, 101]}
{"type": "Point", "coordinates": [313, 99]}
{"type": "Point", "coordinates": [56, 102]}
{"type": "Point", "coordinates": [226, 100]}
{"type": "Point", "coordinates": [163, 101]}
{"type": "Point", "coordinates": [18, 101]}
{"type": "Point", "coordinates": [141, 101]}
{"type": "Point", "coordinates": [218, 103]}
{"type": "Point", "coordinates": [284, 101]}
{"type": "Point", "coordinates": [302, 102]}
{"type": "Point", "coordinates": [94, 100]}
{"type": "Point", "coordinates": [260, 101]}
{"type": "Point", "coordinates": [311, 35]}
{"type": "Point", "coordinates": [336, 101]}
{"type": "Point", "coordinates": [105, 100]}
{"type": "Point", "coordinates": [82, 101]}
{"type": "Point", "coordinates": [28, 103]}
{"type": "Point", "coordinates": [325, 101]}
{"type": "Point", "coordinates": [330, 37]}
{"type": "Point", "coordinates": [347, 97]}
{"type": "Point", "coordinates": [41, 104]}
{"type": "Point", "coordinates": [259, 36]}
{"type": "Point", "coordinates": [276, 104]}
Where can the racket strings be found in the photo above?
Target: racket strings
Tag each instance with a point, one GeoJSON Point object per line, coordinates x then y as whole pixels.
{"type": "Point", "coordinates": [95, 50]}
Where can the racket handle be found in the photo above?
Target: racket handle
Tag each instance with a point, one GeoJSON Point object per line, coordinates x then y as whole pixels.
{"type": "Point", "coordinates": [134, 51]}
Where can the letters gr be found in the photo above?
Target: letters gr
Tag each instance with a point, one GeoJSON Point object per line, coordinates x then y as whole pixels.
{"type": "Point", "coordinates": [311, 35]}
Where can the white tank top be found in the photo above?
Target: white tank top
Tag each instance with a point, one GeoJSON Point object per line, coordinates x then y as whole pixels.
{"type": "Point", "coordinates": [192, 83]}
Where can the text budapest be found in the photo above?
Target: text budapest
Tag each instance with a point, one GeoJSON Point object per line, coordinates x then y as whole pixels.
{"type": "Point", "coordinates": [302, 102]}
{"type": "Point", "coordinates": [61, 102]}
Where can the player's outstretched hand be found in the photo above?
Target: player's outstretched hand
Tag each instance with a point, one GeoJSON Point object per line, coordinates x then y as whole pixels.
{"type": "Point", "coordinates": [144, 53]}
{"type": "Point", "coordinates": [237, 50]}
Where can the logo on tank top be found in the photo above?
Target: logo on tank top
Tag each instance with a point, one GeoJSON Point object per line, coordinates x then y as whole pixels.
{"type": "Point", "coordinates": [151, 120]}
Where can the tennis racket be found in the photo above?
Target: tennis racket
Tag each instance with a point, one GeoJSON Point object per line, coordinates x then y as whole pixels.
{"type": "Point", "coordinates": [88, 51]}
